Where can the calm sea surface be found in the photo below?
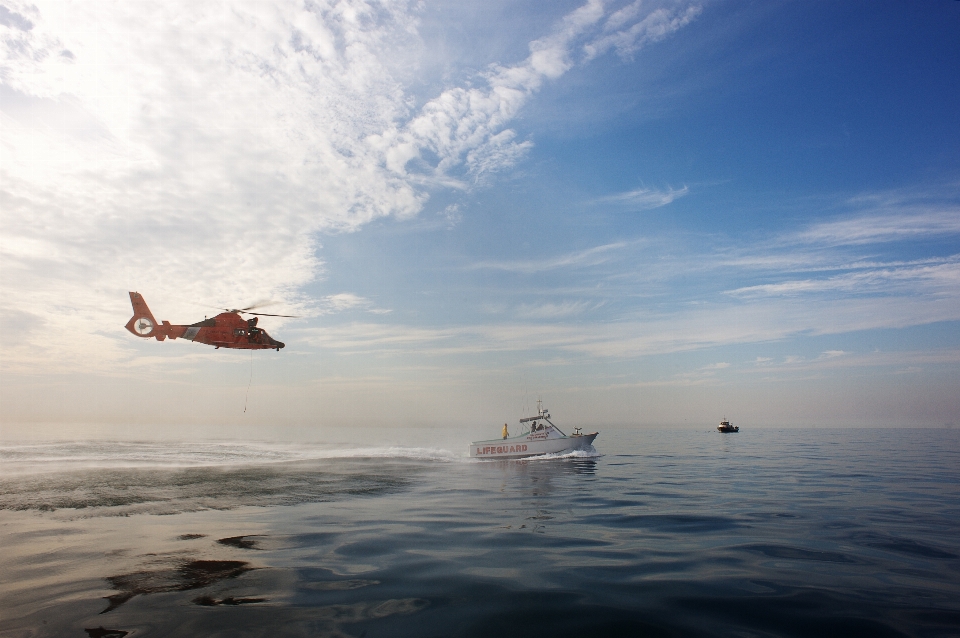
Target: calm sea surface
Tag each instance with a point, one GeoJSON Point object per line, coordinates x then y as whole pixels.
{"type": "Point", "coordinates": [824, 532]}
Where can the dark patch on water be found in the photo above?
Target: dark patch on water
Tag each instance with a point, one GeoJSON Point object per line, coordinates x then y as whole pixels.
{"type": "Point", "coordinates": [210, 601]}
{"type": "Point", "coordinates": [556, 615]}
{"type": "Point", "coordinates": [190, 537]}
{"type": "Point", "coordinates": [367, 548]}
{"type": "Point", "coordinates": [185, 576]}
{"type": "Point", "coordinates": [796, 553]}
{"type": "Point", "coordinates": [541, 516]}
{"type": "Point", "coordinates": [936, 617]}
{"type": "Point", "coordinates": [841, 525]}
{"type": "Point", "coordinates": [100, 632]}
{"type": "Point", "coordinates": [792, 613]}
{"type": "Point", "coordinates": [341, 585]}
{"type": "Point", "coordinates": [242, 542]}
{"type": "Point", "coordinates": [909, 547]}
{"type": "Point", "coordinates": [676, 523]}
{"type": "Point", "coordinates": [312, 539]}
{"type": "Point", "coordinates": [374, 610]}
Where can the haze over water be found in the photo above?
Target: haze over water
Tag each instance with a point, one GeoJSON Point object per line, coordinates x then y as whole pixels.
{"type": "Point", "coordinates": [685, 532]}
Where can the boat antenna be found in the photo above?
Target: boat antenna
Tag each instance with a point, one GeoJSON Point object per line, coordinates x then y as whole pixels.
{"type": "Point", "coordinates": [523, 397]}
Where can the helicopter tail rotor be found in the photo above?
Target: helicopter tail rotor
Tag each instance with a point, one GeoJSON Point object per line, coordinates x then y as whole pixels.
{"type": "Point", "coordinates": [142, 323]}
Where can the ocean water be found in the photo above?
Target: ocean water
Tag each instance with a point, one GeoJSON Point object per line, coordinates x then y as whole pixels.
{"type": "Point", "coordinates": [659, 532]}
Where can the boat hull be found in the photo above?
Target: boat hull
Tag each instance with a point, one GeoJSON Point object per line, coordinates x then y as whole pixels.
{"type": "Point", "coordinates": [735, 428]}
{"type": "Point", "coordinates": [522, 446]}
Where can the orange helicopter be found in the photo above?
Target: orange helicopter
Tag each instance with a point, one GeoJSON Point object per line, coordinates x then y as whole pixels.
{"type": "Point", "coordinates": [226, 330]}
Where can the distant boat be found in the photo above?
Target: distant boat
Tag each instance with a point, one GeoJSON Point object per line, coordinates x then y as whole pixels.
{"type": "Point", "coordinates": [725, 426]}
{"type": "Point", "coordinates": [541, 438]}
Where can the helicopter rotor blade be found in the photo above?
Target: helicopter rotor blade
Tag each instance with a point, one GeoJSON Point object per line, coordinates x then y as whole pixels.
{"type": "Point", "coordinates": [267, 314]}
{"type": "Point", "coordinates": [258, 304]}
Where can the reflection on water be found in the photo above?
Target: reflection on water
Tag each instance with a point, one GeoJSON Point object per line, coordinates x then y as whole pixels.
{"type": "Point", "coordinates": [100, 632]}
{"type": "Point", "coordinates": [181, 576]}
{"type": "Point", "coordinates": [670, 533]}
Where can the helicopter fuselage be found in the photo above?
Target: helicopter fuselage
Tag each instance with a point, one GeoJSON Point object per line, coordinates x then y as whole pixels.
{"type": "Point", "coordinates": [226, 330]}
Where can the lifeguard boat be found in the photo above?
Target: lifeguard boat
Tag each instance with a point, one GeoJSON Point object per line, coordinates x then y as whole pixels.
{"type": "Point", "coordinates": [541, 437]}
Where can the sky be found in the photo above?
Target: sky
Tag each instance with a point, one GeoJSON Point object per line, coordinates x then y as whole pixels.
{"type": "Point", "coordinates": [648, 213]}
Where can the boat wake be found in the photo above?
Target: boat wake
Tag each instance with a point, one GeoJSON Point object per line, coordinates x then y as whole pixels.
{"type": "Point", "coordinates": [91, 479]}
{"type": "Point", "coordinates": [35, 458]}
{"type": "Point", "coordinates": [588, 452]}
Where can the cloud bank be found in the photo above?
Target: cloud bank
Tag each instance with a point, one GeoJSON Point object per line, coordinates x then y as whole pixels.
{"type": "Point", "coordinates": [196, 150]}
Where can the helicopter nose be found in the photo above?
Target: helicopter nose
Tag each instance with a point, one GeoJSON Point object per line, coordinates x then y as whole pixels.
{"type": "Point", "coordinates": [280, 344]}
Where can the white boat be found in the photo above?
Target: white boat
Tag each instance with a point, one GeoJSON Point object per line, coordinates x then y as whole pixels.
{"type": "Point", "coordinates": [726, 426]}
{"type": "Point", "coordinates": [541, 437]}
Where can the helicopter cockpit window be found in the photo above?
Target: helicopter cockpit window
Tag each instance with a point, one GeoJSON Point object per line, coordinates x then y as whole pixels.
{"type": "Point", "coordinates": [239, 332]}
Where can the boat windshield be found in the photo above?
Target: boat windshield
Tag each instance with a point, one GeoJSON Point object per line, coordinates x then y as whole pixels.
{"type": "Point", "coordinates": [541, 427]}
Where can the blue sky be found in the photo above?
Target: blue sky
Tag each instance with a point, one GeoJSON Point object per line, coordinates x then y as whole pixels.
{"type": "Point", "coordinates": [647, 213]}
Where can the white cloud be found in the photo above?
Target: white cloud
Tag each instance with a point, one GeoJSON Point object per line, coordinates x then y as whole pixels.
{"type": "Point", "coordinates": [911, 359]}
{"type": "Point", "coordinates": [464, 129]}
{"type": "Point", "coordinates": [869, 225]}
{"type": "Point", "coordinates": [453, 215]}
{"type": "Point", "coordinates": [845, 290]}
{"type": "Point", "coordinates": [348, 301]}
{"type": "Point", "coordinates": [835, 263]}
{"type": "Point", "coordinates": [830, 354]}
{"type": "Point", "coordinates": [465, 126]}
{"type": "Point", "coordinates": [930, 278]}
{"type": "Point", "coordinates": [870, 229]}
{"type": "Point", "coordinates": [196, 150]}
{"type": "Point", "coordinates": [581, 258]}
{"type": "Point", "coordinates": [716, 366]}
{"type": "Point", "coordinates": [627, 34]}
{"type": "Point", "coordinates": [344, 301]}
{"type": "Point", "coordinates": [646, 198]}
{"type": "Point", "coordinates": [555, 310]}
{"type": "Point", "coordinates": [384, 338]}
{"type": "Point", "coordinates": [706, 327]}
{"type": "Point", "coordinates": [204, 150]}
{"type": "Point", "coordinates": [889, 216]}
